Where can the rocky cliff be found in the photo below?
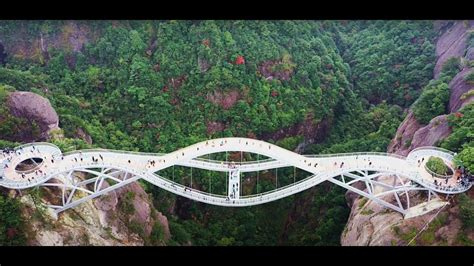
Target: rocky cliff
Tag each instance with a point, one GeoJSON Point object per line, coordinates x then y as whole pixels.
{"type": "Point", "coordinates": [125, 216]}
{"type": "Point", "coordinates": [371, 224]}
{"type": "Point", "coordinates": [452, 43]}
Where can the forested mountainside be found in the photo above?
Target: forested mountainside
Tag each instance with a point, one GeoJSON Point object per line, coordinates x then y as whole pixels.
{"type": "Point", "coordinates": [157, 86]}
{"type": "Point", "coordinates": [441, 116]}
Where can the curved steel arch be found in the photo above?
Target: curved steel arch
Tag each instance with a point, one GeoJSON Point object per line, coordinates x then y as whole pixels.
{"type": "Point", "coordinates": [128, 167]}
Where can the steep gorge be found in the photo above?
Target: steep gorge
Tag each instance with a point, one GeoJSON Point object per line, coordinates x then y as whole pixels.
{"type": "Point", "coordinates": [380, 226]}
{"type": "Point", "coordinates": [125, 88]}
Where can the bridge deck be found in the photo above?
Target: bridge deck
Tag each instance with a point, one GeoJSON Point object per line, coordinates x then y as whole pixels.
{"type": "Point", "coordinates": [322, 167]}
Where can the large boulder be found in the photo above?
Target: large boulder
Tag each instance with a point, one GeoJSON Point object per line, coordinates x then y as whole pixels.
{"type": "Point", "coordinates": [34, 108]}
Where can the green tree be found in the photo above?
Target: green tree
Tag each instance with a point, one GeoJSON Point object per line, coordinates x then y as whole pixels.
{"type": "Point", "coordinates": [432, 102]}
{"type": "Point", "coordinates": [466, 158]}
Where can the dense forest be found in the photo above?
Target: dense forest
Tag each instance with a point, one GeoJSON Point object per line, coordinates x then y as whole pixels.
{"type": "Point", "coordinates": [157, 86]}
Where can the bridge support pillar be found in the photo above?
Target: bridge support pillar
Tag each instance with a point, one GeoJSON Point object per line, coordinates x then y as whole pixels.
{"type": "Point", "coordinates": [234, 184]}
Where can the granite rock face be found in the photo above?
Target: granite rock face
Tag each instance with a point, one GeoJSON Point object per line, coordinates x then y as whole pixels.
{"type": "Point", "coordinates": [34, 108]}
{"type": "Point", "coordinates": [369, 223]}
{"type": "Point", "coordinates": [452, 43]}
{"type": "Point", "coordinates": [458, 88]}
{"type": "Point", "coordinates": [401, 143]}
{"type": "Point", "coordinates": [99, 222]}
{"type": "Point", "coordinates": [429, 135]}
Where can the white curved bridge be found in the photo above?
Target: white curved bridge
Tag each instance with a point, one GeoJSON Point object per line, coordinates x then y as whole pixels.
{"type": "Point", "coordinates": [55, 169]}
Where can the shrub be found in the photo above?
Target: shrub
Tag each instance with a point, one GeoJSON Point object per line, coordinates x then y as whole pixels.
{"type": "Point", "coordinates": [466, 211]}
{"type": "Point", "coordinates": [157, 234]}
{"type": "Point", "coordinates": [437, 165]}
{"type": "Point", "coordinates": [466, 158]}
{"type": "Point", "coordinates": [451, 67]}
{"type": "Point", "coordinates": [469, 78]}
{"type": "Point", "coordinates": [136, 227]}
{"type": "Point", "coordinates": [11, 223]}
{"type": "Point", "coordinates": [127, 203]}
{"type": "Point", "coordinates": [432, 102]}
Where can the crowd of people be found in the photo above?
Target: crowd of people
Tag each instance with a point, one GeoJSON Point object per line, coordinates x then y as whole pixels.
{"type": "Point", "coordinates": [8, 153]}
{"type": "Point", "coordinates": [464, 177]}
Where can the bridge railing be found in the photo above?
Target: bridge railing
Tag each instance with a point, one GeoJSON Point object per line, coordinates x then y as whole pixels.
{"type": "Point", "coordinates": [306, 155]}
{"type": "Point", "coordinates": [111, 151]}
{"type": "Point", "coordinates": [426, 152]}
{"type": "Point", "coordinates": [86, 150]}
{"type": "Point", "coordinates": [434, 148]}
{"type": "Point", "coordinates": [185, 187]}
{"type": "Point", "coordinates": [355, 154]}
{"type": "Point", "coordinates": [234, 162]}
{"type": "Point", "coordinates": [35, 144]}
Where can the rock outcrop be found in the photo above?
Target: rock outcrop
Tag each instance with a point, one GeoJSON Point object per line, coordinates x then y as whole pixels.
{"type": "Point", "coordinates": [435, 131]}
{"type": "Point", "coordinates": [372, 225]}
{"type": "Point", "coordinates": [34, 108]}
{"type": "Point", "coordinates": [71, 36]}
{"type": "Point", "coordinates": [81, 133]}
{"type": "Point", "coordinates": [214, 126]}
{"type": "Point", "coordinates": [102, 222]}
{"type": "Point", "coordinates": [411, 134]}
{"type": "Point", "coordinates": [452, 43]}
{"type": "Point", "coordinates": [458, 86]}
{"type": "Point", "coordinates": [125, 216]}
{"type": "Point", "coordinates": [402, 142]}
{"type": "Point", "coordinates": [225, 99]}
{"type": "Point", "coordinates": [270, 70]}
{"type": "Point", "coordinates": [369, 223]}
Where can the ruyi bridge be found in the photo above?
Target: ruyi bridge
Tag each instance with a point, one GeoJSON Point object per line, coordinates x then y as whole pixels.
{"type": "Point", "coordinates": [388, 179]}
